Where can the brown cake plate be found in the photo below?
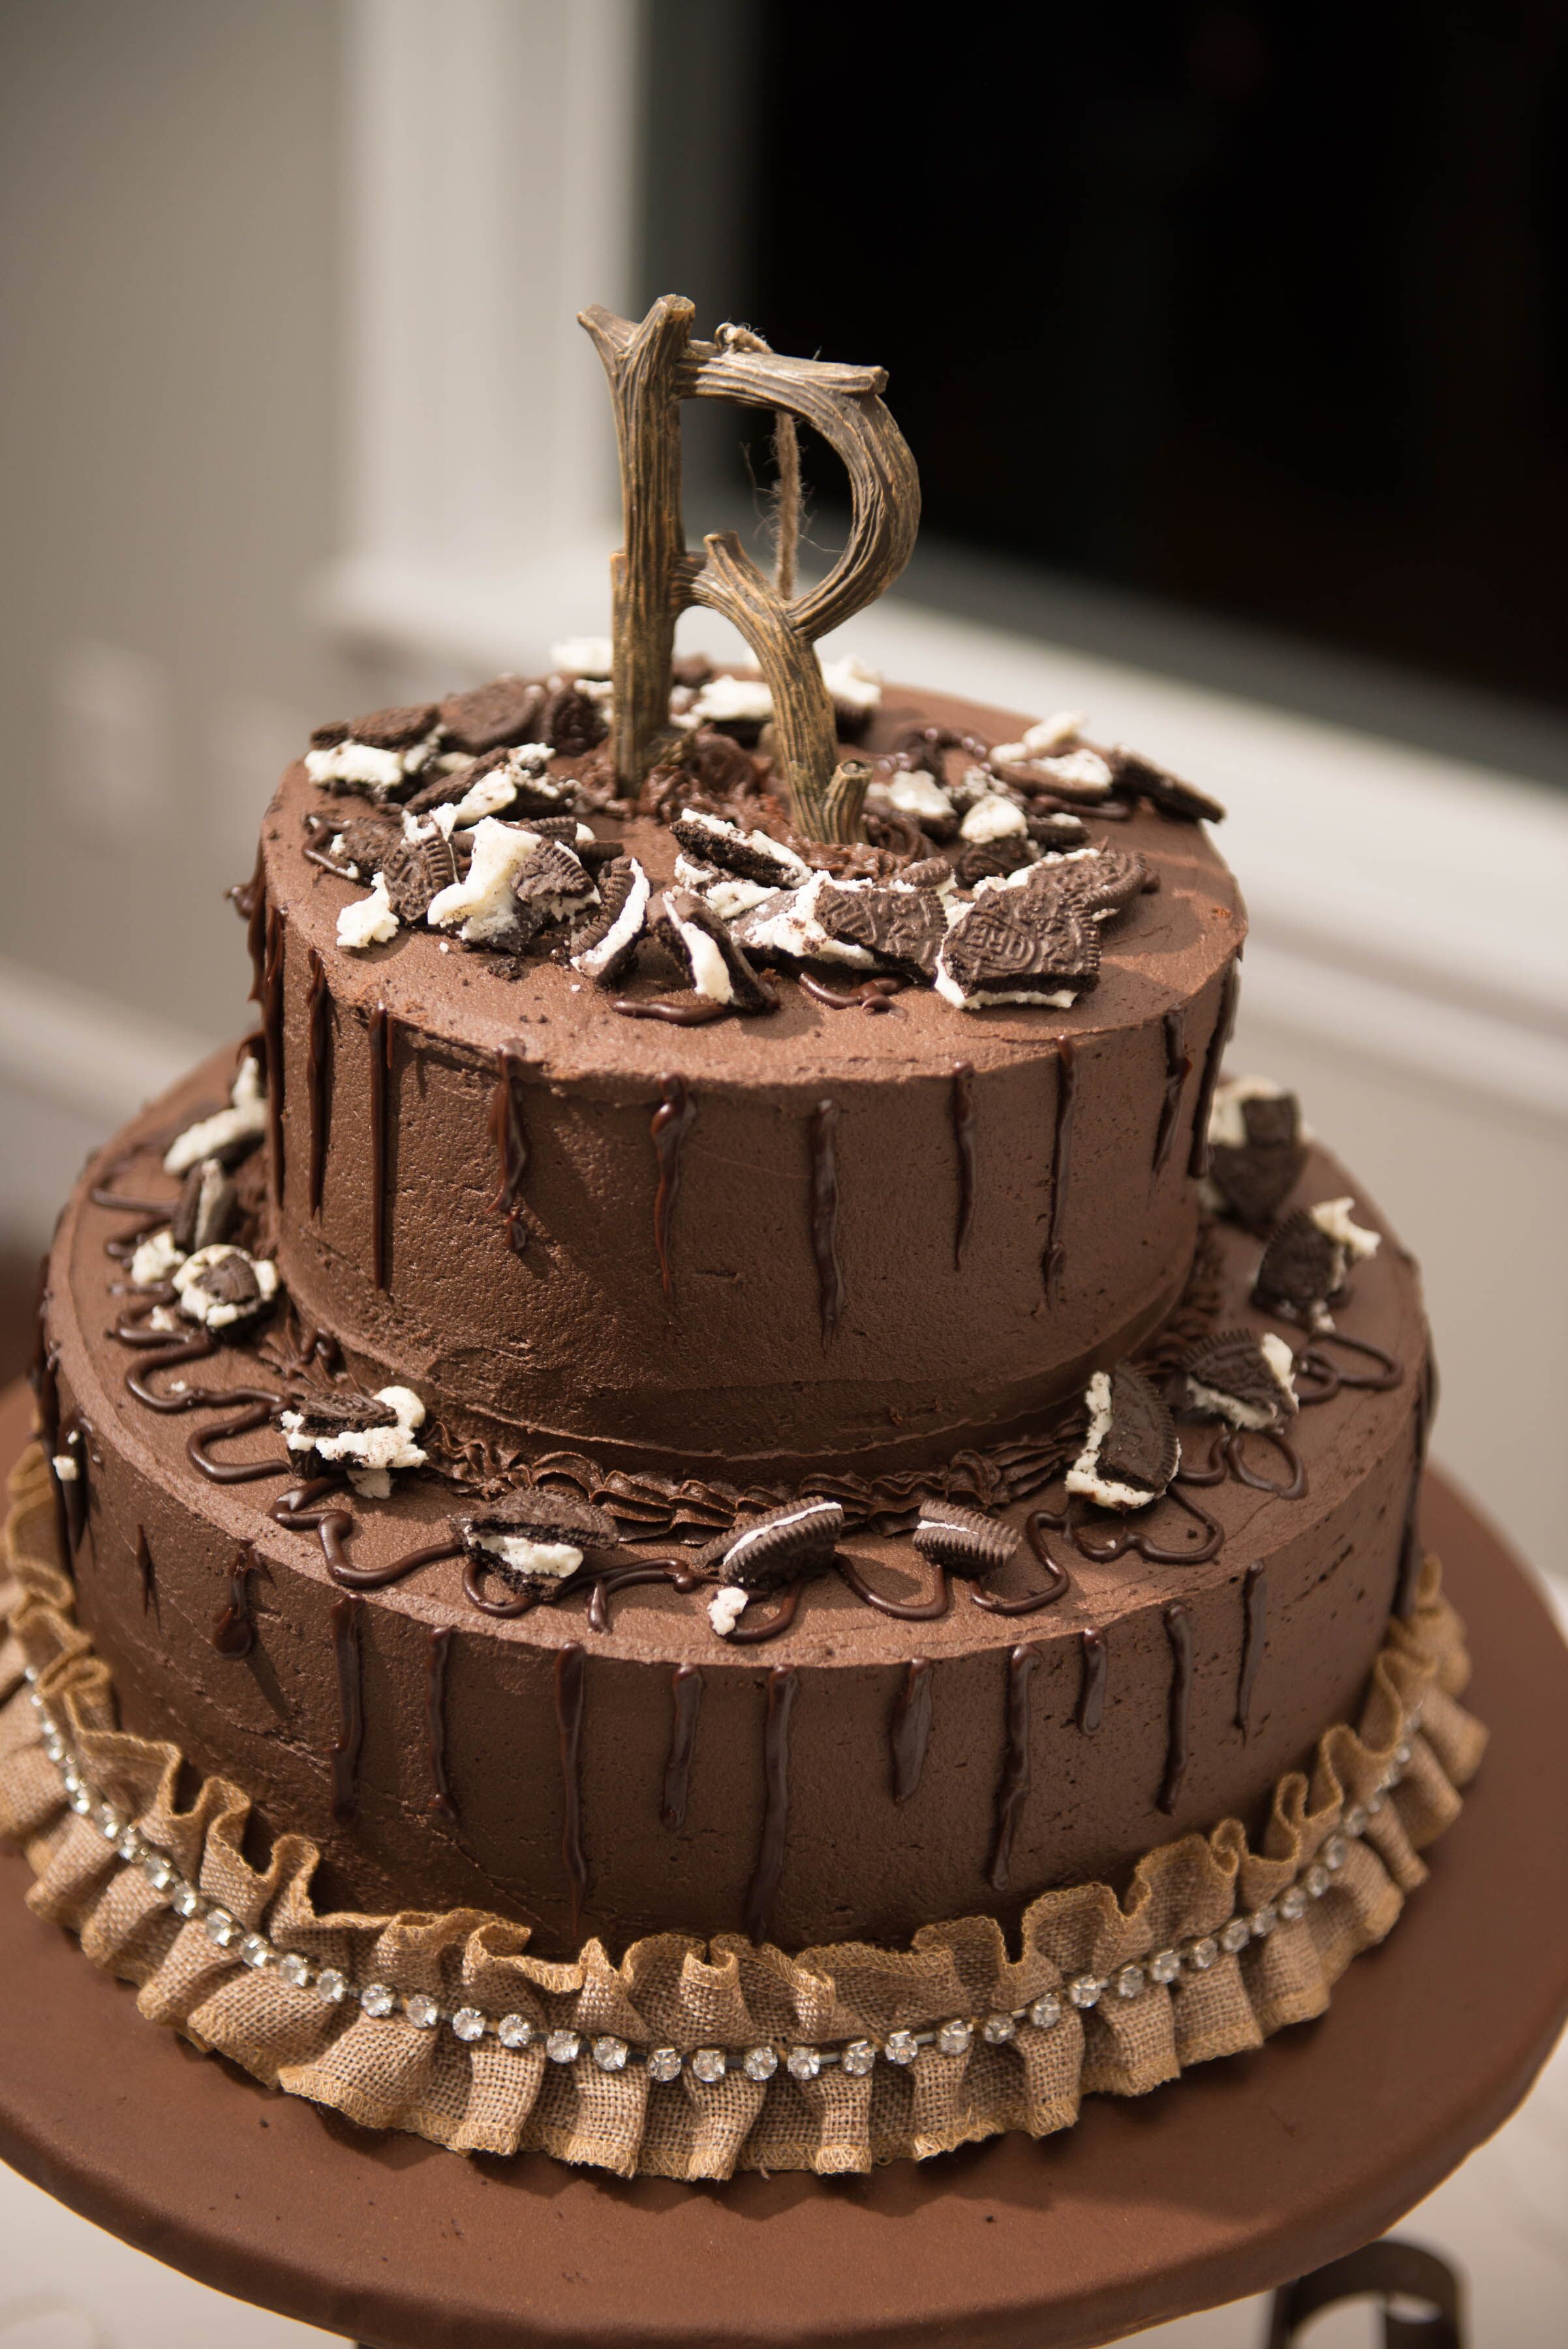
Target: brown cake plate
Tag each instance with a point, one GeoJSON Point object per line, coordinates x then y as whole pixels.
{"type": "Point", "coordinates": [1244, 2173]}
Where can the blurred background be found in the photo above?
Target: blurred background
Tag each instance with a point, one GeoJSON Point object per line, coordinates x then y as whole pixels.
{"type": "Point", "coordinates": [1232, 344]}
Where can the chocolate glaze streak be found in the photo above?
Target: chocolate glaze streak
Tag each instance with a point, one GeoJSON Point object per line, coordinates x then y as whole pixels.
{"type": "Point", "coordinates": [438, 1653]}
{"type": "Point", "coordinates": [569, 1664]}
{"type": "Point", "coordinates": [146, 1572]}
{"type": "Point", "coordinates": [1092, 1690]}
{"type": "Point", "coordinates": [1013, 1792]}
{"type": "Point", "coordinates": [1178, 1631]}
{"type": "Point", "coordinates": [383, 1043]}
{"type": "Point", "coordinates": [784, 1684]}
{"type": "Point", "coordinates": [254, 909]}
{"type": "Point", "coordinates": [824, 1215]}
{"type": "Point", "coordinates": [509, 1139]}
{"type": "Point", "coordinates": [686, 1688]}
{"type": "Point", "coordinates": [1254, 1633]}
{"type": "Point", "coordinates": [350, 1709]}
{"type": "Point", "coordinates": [906, 1610]}
{"type": "Point", "coordinates": [1224, 1021]}
{"type": "Point", "coordinates": [1033, 1600]}
{"type": "Point", "coordinates": [909, 1732]}
{"type": "Point", "coordinates": [963, 1139]}
{"type": "Point", "coordinates": [317, 1071]}
{"type": "Point", "coordinates": [1177, 1068]}
{"type": "Point", "coordinates": [234, 1626]}
{"type": "Point", "coordinates": [1061, 1164]}
{"type": "Point", "coordinates": [1410, 1552]}
{"type": "Point", "coordinates": [70, 1442]}
{"type": "Point", "coordinates": [272, 1034]}
{"type": "Point", "coordinates": [669, 1125]}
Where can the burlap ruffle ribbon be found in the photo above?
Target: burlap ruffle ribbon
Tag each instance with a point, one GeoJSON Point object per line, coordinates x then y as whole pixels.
{"type": "Point", "coordinates": [384, 2073]}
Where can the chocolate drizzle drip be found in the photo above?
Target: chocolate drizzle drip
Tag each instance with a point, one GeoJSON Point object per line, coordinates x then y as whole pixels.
{"type": "Point", "coordinates": [1091, 1688]}
{"type": "Point", "coordinates": [509, 1139]}
{"type": "Point", "coordinates": [317, 1071]}
{"type": "Point", "coordinates": [70, 1442]}
{"type": "Point", "coordinates": [569, 1664]}
{"type": "Point", "coordinates": [272, 1034]}
{"type": "Point", "coordinates": [963, 1139]}
{"type": "Point", "coordinates": [670, 1124]}
{"type": "Point", "coordinates": [1177, 1068]}
{"type": "Point", "coordinates": [146, 1571]}
{"type": "Point", "coordinates": [1224, 1019]}
{"type": "Point", "coordinates": [383, 1042]}
{"type": "Point", "coordinates": [1178, 1631]}
{"type": "Point", "coordinates": [686, 1688]}
{"type": "Point", "coordinates": [1013, 1792]}
{"type": "Point", "coordinates": [824, 1215]}
{"type": "Point", "coordinates": [438, 1654]}
{"type": "Point", "coordinates": [250, 900]}
{"type": "Point", "coordinates": [909, 1732]}
{"type": "Point", "coordinates": [1061, 1164]}
{"type": "Point", "coordinates": [784, 1683]}
{"type": "Point", "coordinates": [350, 1709]}
{"type": "Point", "coordinates": [1410, 1550]}
{"type": "Point", "coordinates": [234, 1626]}
{"type": "Point", "coordinates": [1254, 1634]}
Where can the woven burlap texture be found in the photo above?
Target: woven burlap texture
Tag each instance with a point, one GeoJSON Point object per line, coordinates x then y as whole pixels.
{"type": "Point", "coordinates": [684, 1992]}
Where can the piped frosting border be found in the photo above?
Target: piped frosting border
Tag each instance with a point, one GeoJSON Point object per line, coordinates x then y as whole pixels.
{"type": "Point", "coordinates": [1105, 1996]}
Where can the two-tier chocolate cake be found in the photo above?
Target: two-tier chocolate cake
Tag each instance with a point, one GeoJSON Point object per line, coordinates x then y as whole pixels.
{"type": "Point", "coordinates": [723, 1501]}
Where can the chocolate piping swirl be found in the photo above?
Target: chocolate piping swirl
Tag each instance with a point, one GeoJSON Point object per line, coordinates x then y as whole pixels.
{"type": "Point", "coordinates": [824, 1215]}
{"type": "Point", "coordinates": [1224, 1019]}
{"type": "Point", "coordinates": [1013, 1791]}
{"type": "Point", "coordinates": [350, 1709]}
{"type": "Point", "coordinates": [670, 1124]}
{"type": "Point", "coordinates": [509, 1140]}
{"type": "Point", "coordinates": [784, 1685]}
{"type": "Point", "coordinates": [906, 1610]}
{"type": "Point", "coordinates": [910, 1731]}
{"type": "Point", "coordinates": [686, 1691]}
{"type": "Point", "coordinates": [1177, 1068]}
{"type": "Point", "coordinates": [569, 1664]}
{"type": "Point", "coordinates": [1179, 1633]}
{"type": "Point", "coordinates": [1254, 1637]}
{"type": "Point", "coordinates": [962, 1112]}
{"type": "Point", "coordinates": [438, 1655]}
{"type": "Point", "coordinates": [317, 1066]}
{"type": "Point", "coordinates": [383, 1043]}
{"type": "Point", "coordinates": [1061, 1165]}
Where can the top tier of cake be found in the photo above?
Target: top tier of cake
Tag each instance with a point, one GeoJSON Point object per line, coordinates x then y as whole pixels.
{"type": "Point", "coordinates": [817, 1240]}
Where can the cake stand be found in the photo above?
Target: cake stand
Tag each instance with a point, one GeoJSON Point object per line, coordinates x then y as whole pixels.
{"type": "Point", "coordinates": [1246, 2172]}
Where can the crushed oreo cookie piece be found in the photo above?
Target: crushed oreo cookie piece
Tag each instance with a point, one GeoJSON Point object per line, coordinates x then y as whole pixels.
{"type": "Point", "coordinates": [1256, 1150]}
{"type": "Point", "coordinates": [1143, 779]}
{"type": "Point", "coordinates": [511, 780]}
{"type": "Point", "coordinates": [206, 1210]}
{"type": "Point", "coordinates": [220, 1285]}
{"type": "Point", "coordinates": [710, 955]}
{"type": "Point", "coordinates": [737, 706]}
{"type": "Point", "coordinates": [1019, 945]}
{"type": "Point", "coordinates": [604, 946]}
{"type": "Point", "coordinates": [369, 1436]}
{"type": "Point", "coordinates": [1242, 1376]}
{"type": "Point", "coordinates": [482, 906]}
{"type": "Point", "coordinates": [572, 721]}
{"type": "Point", "coordinates": [786, 1544]}
{"type": "Point", "coordinates": [965, 1541]}
{"type": "Point", "coordinates": [1058, 831]}
{"type": "Point", "coordinates": [1132, 1450]}
{"type": "Point", "coordinates": [551, 886]}
{"type": "Point", "coordinates": [902, 927]}
{"type": "Point", "coordinates": [989, 860]}
{"type": "Point", "coordinates": [1081, 776]}
{"type": "Point", "coordinates": [490, 716]}
{"type": "Point", "coordinates": [328, 737]}
{"type": "Point", "coordinates": [1103, 884]}
{"type": "Point", "coordinates": [395, 729]}
{"type": "Point", "coordinates": [918, 794]}
{"type": "Point", "coordinates": [753, 855]}
{"type": "Point", "coordinates": [786, 926]}
{"type": "Point", "coordinates": [367, 921]}
{"type": "Point", "coordinates": [537, 1537]}
{"type": "Point", "coordinates": [927, 872]}
{"type": "Point", "coordinates": [228, 1134]}
{"type": "Point", "coordinates": [157, 1257]}
{"type": "Point", "coordinates": [1302, 1272]}
{"type": "Point", "coordinates": [358, 848]}
{"type": "Point", "coordinates": [856, 692]}
{"type": "Point", "coordinates": [414, 872]}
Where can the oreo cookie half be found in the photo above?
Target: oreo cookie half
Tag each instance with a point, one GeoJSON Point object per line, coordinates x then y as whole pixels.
{"type": "Point", "coordinates": [753, 855]}
{"type": "Point", "coordinates": [537, 1537]}
{"type": "Point", "coordinates": [965, 1541]}
{"type": "Point", "coordinates": [1141, 778]}
{"type": "Point", "coordinates": [1132, 1451]}
{"type": "Point", "coordinates": [786, 1544]}
{"type": "Point", "coordinates": [1242, 1376]}
{"type": "Point", "coordinates": [709, 953]}
{"type": "Point", "coordinates": [604, 947]}
{"type": "Point", "coordinates": [1018, 943]}
{"type": "Point", "coordinates": [505, 711]}
{"type": "Point", "coordinates": [1256, 1153]}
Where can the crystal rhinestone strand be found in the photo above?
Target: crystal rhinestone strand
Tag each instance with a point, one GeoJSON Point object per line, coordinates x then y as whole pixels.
{"type": "Point", "coordinates": [760, 2063]}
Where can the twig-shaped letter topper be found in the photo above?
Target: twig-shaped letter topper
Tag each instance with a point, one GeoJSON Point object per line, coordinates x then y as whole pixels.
{"type": "Point", "coordinates": [653, 367]}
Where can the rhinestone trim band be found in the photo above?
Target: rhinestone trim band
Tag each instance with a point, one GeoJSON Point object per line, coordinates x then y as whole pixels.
{"type": "Point", "coordinates": [708, 2066]}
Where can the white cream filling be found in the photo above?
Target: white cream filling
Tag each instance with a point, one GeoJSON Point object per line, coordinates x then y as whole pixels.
{"type": "Point", "coordinates": [710, 971]}
{"type": "Point", "coordinates": [360, 762]}
{"type": "Point", "coordinates": [626, 926]}
{"type": "Point", "coordinates": [755, 1534]}
{"type": "Point", "coordinates": [211, 1311]}
{"type": "Point", "coordinates": [1038, 741]}
{"type": "Point", "coordinates": [155, 1260]}
{"type": "Point", "coordinates": [1226, 1121]}
{"type": "Point", "coordinates": [1282, 1368]}
{"type": "Point", "coordinates": [1061, 999]}
{"type": "Point", "coordinates": [374, 1452]}
{"type": "Point", "coordinates": [792, 927]}
{"type": "Point", "coordinates": [734, 701]}
{"type": "Point", "coordinates": [726, 1610]}
{"type": "Point", "coordinates": [1331, 1217]}
{"type": "Point", "coordinates": [993, 817]}
{"type": "Point", "coordinates": [851, 684]}
{"type": "Point", "coordinates": [915, 793]}
{"type": "Point", "coordinates": [367, 921]}
{"type": "Point", "coordinates": [551, 1561]}
{"type": "Point", "coordinates": [484, 906]}
{"type": "Point", "coordinates": [211, 1136]}
{"type": "Point", "coordinates": [1083, 1475]}
{"type": "Point", "coordinates": [66, 1468]}
{"type": "Point", "coordinates": [583, 656]}
{"type": "Point", "coordinates": [796, 872]}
